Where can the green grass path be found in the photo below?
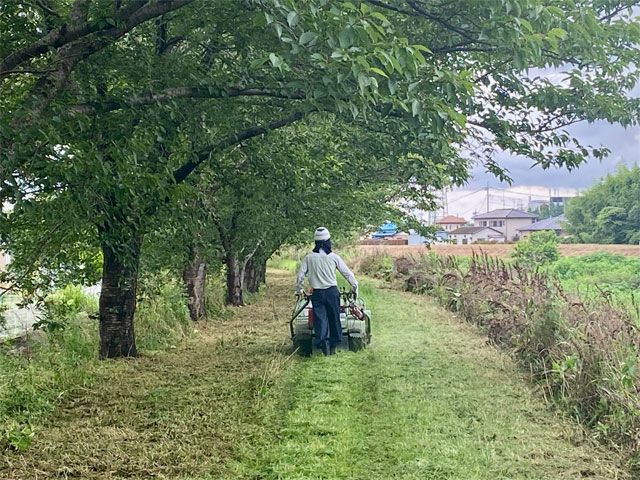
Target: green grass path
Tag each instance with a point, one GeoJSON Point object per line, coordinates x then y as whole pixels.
{"type": "Point", "coordinates": [428, 400]}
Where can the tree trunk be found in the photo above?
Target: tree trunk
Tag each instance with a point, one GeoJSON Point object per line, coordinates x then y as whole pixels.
{"type": "Point", "coordinates": [255, 274]}
{"type": "Point", "coordinates": [262, 272]}
{"type": "Point", "coordinates": [118, 300]}
{"type": "Point", "coordinates": [251, 275]}
{"type": "Point", "coordinates": [235, 274]}
{"type": "Point", "coordinates": [194, 276]}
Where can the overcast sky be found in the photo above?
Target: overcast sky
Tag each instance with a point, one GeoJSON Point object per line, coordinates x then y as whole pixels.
{"type": "Point", "coordinates": [623, 143]}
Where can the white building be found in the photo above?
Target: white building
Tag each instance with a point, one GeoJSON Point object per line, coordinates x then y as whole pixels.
{"type": "Point", "coordinates": [469, 235]}
{"type": "Point", "coordinates": [450, 222]}
{"type": "Point", "coordinates": [506, 220]}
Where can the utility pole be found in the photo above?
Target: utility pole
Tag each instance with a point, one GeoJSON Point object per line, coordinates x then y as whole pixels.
{"type": "Point", "coordinates": [445, 202]}
{"type": "Point", "coordinates": [487, 189]}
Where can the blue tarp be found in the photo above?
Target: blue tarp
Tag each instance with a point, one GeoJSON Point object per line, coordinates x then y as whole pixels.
{"type": "Point", "coordinates": [387, 229]}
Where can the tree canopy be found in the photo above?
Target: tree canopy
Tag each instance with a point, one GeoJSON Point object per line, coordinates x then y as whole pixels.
{"type": "Point", "coordinates": [608, 212]}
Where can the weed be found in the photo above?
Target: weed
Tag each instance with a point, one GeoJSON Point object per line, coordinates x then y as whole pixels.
{"type": "Point", "coordinates": [18, 436]}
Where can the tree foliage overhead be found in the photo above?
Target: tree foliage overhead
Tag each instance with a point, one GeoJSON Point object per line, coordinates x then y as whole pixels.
{"type": "Point", "coordinates": [609, 212]}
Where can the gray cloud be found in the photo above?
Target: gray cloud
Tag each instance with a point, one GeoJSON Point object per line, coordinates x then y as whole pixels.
{"type": "Point", "coordinates": [623, 143]}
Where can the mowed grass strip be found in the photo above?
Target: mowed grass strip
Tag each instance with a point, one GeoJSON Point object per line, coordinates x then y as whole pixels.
{"type": "Point", "coordinates": [428, 400]}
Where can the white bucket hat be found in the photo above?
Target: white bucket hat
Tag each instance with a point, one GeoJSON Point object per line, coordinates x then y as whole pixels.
{"type": "Point", "coordinates": [321, 233]}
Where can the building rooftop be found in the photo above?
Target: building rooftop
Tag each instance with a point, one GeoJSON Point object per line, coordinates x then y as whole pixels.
{"type": "Point", "coordinates": [451, 219]}
{"type": "Point", "coordinates": [505, 213]}
{"type": "Point", "coordinates": [472, 230]}
{"type": "Point", "coordinates": [553, 223]}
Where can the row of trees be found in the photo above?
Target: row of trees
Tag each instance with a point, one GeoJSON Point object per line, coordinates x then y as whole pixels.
{"type": "Point", "coordinates": [609, 212]}
{"type": "Point", "coordinates": [191, 134]}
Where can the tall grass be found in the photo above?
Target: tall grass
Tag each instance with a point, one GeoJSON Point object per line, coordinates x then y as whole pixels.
{"type": "Point", "coordinates": [583, 352]}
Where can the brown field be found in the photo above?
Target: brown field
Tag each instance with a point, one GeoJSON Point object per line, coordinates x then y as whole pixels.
{"type": "Point", "coordinates": [497, 250]}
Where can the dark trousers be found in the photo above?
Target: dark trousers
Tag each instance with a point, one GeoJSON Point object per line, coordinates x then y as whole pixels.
{"type": "Point", "coordinates": [326, 316]}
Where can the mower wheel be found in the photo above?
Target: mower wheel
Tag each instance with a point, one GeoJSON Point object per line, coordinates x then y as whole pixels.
{"type": "Point", "coordinates": [304, 346]}
{"type": "Point", "coordinates": [356, 344]}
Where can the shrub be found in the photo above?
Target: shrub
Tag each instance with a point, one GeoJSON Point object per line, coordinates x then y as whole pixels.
{"type": "Point", "coordinates": [162, 318]}
{"type": "Point", "coordinates": [378, 266]}
{"type": "Point", "coordinates": [539, 249]}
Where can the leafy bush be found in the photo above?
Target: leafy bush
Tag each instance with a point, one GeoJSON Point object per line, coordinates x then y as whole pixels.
{"type": "Point", "coordinates": [40, 370]}
{"type": "Point", "coordinates": [162, 318]}
{"type": "Point", "coordinates": [537, 250]}
{"type": "Point", "coordinates": [60, 307]}
{"type": "Point", "coordinates": [378, 266]}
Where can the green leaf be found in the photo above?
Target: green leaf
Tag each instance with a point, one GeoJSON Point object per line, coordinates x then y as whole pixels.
{"type": "Point", "coordinates": [416, 108]}
{"type": "Point", "coordinates": [379, 72]}
{"type": "Point", "coordinates": [556, 11]}
{"type": "Point", "coordinates": [363, 81]}
{"type": "Point", "coordinates": [276, 61]}
{"type": "Point", "coordinates": [293, 18]}
{"type": "Point", "coordinates": [526, 24]}
{"type": "Point", "coordinates": [307, 38]}
{"type": "Point", "coordinates": [422, 48]}
{"type": "Point", "coordinates": [346, 37]}
{"type": "Point", "coordinates": [557, 32]}
{"type": "Point", "coordinates": [380, 17]}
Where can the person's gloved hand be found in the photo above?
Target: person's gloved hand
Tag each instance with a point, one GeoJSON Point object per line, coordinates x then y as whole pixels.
{"type": "Point", "coordinates": [354, 291]}
{"type": "Point", "coordinates": [298, 292]}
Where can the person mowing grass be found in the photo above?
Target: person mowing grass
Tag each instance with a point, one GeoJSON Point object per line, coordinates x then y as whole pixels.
{"type": "Point", "coordinates": [321, 267]}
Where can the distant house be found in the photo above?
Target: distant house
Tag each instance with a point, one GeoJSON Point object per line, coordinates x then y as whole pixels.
{"type": "Point", "coordinates": [415, 238]}
{"type": "Point", "coordinates": [450, 222]}
{"type": "Point", "coordinates": [553, 223]}
{"type": "Point", "coordinates": [469, 235]}
{"type": "Point", "coordinates": [506, 220]}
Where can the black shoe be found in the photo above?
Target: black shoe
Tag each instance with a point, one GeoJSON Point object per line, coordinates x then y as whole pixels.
{"type": "Point", "coordinates": [332, 350]}
{"type": "Point", "coordinates": [325, 348]}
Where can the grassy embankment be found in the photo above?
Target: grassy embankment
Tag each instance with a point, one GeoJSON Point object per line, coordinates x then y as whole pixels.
{"type": "Point", "coordinates": [428, 400]}
{"type": "Point", "coordinates": [572, 324]}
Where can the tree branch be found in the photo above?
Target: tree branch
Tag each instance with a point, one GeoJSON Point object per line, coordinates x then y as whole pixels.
{"type": "Point", "coordinates": [128, 17]}
{"type": "Point", "coordinates": [460, 31]}
{"type": "Point", "coordinates": [183, 92]}
{"type": "Point", "coordinates": [386, 6]}
{"type": "Point", "coordinates": [181, 173]}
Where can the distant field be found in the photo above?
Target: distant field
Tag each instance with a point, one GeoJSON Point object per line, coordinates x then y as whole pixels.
{"type": "Point", "coordinates": [498, 250]}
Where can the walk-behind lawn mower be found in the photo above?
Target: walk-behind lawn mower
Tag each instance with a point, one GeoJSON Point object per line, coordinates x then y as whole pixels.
{"type": "Point", "coordinates": [355, 320]}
